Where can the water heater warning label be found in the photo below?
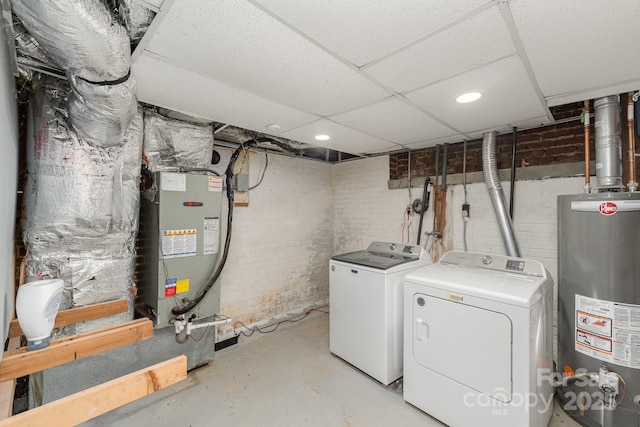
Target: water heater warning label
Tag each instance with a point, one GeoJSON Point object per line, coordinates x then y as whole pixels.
{"type": "Point", "coordinates": [608, 330]}
{"type": "Point", "coordinates": [179, 243]}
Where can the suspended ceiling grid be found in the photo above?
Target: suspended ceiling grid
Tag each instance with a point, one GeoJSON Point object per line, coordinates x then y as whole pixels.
{"type": "Point", "coordinates": [380, 76]}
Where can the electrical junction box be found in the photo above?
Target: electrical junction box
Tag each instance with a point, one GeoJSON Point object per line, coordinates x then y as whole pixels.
{"type": "Point", "coordinates": [180, 246]}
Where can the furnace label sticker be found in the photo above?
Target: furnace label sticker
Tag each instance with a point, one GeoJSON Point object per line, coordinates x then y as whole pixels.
{"type": "Point", "coordinates": [182, 286]}
{"type": "Point", "coordinates": [173, 181]}
{"type": "Point", "coordinates": [608, 330]}
{"type": "Point", "coordinates": [215, 184]}
{"type": "Point", "coordinates": [211, 235]}
{"type": "Point", "coordinates": [179, 243]}
{"type": "Point", "coordinates": [170, 287]}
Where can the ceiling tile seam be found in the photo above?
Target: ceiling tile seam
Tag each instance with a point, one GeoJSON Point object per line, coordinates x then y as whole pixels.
{"type": "Point", "coordinates": [428, 113]}
{"type": "Point", "coordinates": [402, 99]}
{"type": "Point", "coordinates": [452, 76]}
{"type": "Point", "coordinates": [346, 126]}
{"type": "Point", "coordinates": [465, 17]}
{"type": "Point", "coordinates": [178, 65]}
{"type": "Point", "coordinates": [505, 10]}
{"type": "Point", "coordinates": [322, 47]}
{"type": "Point", "coordinates": [157, 20]}
{"type": "Point", "coordinates": [593, 89]}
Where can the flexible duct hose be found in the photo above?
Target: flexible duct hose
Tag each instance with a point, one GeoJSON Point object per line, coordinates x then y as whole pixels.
{"type": "Point", "coordinates": [491, 178]}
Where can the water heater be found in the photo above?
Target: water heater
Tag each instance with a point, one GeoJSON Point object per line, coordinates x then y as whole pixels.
{"type": "Point", "coordinates": [599, 306]}
{"type": "Point", "coordinates": [179, 244]}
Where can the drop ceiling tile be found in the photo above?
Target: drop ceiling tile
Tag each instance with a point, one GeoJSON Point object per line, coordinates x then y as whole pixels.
{"type": "Point", "coordinates": [507, 97]}
{"type": "Point", "coordinates": [394, 120]}
{"type": "Point", "coordinates": [190, 93]}
{"type": "Point", "coordinates": [342, 138]}
{"type": "Point", "coordinates": [477, 41]}
{"type": "Point", "coordinates": [363, 30]}
{"type": "Point", "coordinates": [577, 45]}
{"type": "Point", "coordinates": [240, 45]}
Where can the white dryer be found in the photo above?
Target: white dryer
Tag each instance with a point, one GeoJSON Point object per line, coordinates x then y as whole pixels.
{"type": "Point", "coordinates": [478, 341]}
{"type": "Point", "coordinates": [366, 315]}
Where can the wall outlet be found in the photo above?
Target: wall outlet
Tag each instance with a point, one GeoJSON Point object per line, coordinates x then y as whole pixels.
{"type": "Point", "coordinates": [466, 210]}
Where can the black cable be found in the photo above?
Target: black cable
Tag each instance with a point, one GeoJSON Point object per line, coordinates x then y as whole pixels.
{"type": "Point", "coordinates": [191, 304]}
{"type": "Point", "coordinates": [425, 205]}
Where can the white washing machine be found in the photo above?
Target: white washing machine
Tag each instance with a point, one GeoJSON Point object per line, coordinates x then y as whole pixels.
{"type": "Point", "coordinates": [366, 315]}
{"type": "Point", "coordinates": [478, 341]}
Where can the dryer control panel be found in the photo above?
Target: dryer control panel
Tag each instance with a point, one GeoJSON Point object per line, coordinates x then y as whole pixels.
{"type": "Point", "coordinates": [503, 263]}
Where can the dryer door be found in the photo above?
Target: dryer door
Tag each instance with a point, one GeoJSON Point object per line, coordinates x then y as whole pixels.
{"type": "Point", "coordinates": [467, 344]}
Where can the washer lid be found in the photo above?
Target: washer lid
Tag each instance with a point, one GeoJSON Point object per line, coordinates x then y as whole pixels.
{"type": "Point", "coordinates": [382, 255]}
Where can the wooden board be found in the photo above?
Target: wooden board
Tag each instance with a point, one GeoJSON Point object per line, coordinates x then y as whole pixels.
{"type": "Point", "coordinates": [87, 404]}
{"type": "Point", "coordinates": [8, 388]}
{"type": "Point", "coordinates": [20, 362]}
{"type": "Point", "coordinates": [79, 314]}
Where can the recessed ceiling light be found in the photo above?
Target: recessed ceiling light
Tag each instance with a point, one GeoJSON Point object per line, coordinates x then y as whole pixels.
{"type": "Point", "coordinates": [322, 137]}
{"type": "Point", "coordinates": [468, 97]}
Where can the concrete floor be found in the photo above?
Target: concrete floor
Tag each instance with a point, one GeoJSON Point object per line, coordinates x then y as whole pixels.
{"type": "Point", "coordinates": [286, 378]}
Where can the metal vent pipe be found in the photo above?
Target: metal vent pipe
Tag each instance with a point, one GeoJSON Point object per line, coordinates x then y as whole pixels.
{"type": "Point", "coordinates": [491, 178]}
{"type": "Point", "coordinates": [608, 133]}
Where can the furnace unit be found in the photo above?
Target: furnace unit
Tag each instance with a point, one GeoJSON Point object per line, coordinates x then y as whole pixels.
{"type": "Point", "coordinates": [180, 246]}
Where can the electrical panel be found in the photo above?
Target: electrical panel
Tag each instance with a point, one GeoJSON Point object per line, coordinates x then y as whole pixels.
{"type": "Point", "coordinates": [180, 247]}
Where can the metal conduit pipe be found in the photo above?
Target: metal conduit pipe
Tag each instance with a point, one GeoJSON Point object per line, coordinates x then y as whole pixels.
{"type": "Point", "coordinates": [491, 178]}
{"type": "Point", "coordinates": [587, 148]}
{"type": "Point", "coordinates": [632, 185]}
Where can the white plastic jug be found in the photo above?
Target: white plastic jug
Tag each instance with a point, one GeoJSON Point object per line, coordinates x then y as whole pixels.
{"type": "Point", "coordinates": [37, 305]}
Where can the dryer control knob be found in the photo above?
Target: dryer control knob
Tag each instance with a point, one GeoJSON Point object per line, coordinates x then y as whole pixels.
{"type": "Point", "coordinates": [392, 246]}
{"type": "Point", "coordinates": [487, 260]}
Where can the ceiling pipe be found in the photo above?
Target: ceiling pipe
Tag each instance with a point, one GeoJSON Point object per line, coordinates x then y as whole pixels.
{"type": "Point", "coordinates": [632, 185]}
{"type": "Point", "coordinates": [587, 147]}
{"type": "Point", "coordinates": [491, 178]}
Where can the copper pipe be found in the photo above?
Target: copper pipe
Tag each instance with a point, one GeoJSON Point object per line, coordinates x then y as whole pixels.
{"type": "Point", "coordinates": [587, 149]}
{"type": "Point", "coordinates": [632, 185]}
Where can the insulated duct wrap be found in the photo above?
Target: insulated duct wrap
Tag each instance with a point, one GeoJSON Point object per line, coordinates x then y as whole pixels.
{"type": "Point", "coordinates": [84, 40]}
{"type": "Point", "coordinates": [171, 143]}
{"type": "Point", "coordinates": [492, 179]}
{"type": "Point", "coordinates": [101, 114]}
{"type": "Point", "coordinates": [82, 205]}
{"type": "Point", "coordinates": [137, 19]}
{"type": "Point", "coordinates": [81, 36]}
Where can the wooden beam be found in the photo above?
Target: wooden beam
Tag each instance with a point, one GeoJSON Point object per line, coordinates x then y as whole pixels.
{"type": "Point", "coordinates": [90, 403]}
{"type": "Point", "coordinates": [79, 314]}
{"type": "Point", "coordinates": [8, 388]}
{"type": "Point", "coordinates": [20, 362]}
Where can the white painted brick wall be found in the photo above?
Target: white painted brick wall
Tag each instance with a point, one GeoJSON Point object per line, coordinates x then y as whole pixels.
{"type": "Point", "coordinates": [365, 209]}
{"type": "Point", "coordinates": [281, 242]}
